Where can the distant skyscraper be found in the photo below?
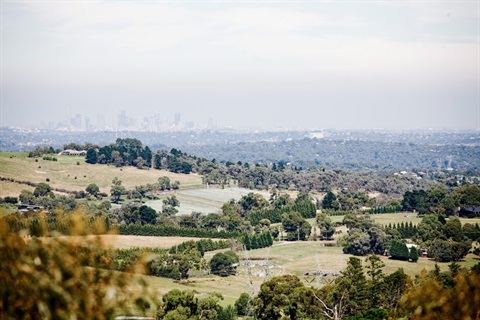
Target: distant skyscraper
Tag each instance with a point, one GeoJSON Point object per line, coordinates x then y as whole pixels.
{"type": "Point", "coordinates": [87, 123]}
{"type": "Point", "coordinates": [47, 125]}
{"type": "Point", "coordinates": [156, 120]}
{"type": "Point", "coordinates": [211, 123]}
{"type": "Point", "coordinates": [178, 118]}
{"type": "Point", "coordinates": [76, 122]}
{"type": "Point", "coordinates": [123, 119]}
{"type": "Point", "coordinates": [101, 121]}
{"type": "Point", "coordinates": [146, 123]}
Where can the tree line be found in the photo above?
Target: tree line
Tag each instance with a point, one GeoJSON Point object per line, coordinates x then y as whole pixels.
{"type": "Point", "coordinates": [443, 201]}
{"type": "Point", "coordinates": [268, 175]}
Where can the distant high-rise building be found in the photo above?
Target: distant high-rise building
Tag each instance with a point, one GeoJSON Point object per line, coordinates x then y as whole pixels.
{"type": "Point", "coordinates": [146, 123]}
{"type": "Point", "coordinates": [68, 115]}
{"type": "Point", "coordinates": [211, 123]}
{"type": "Point", "coordinates": [156, 120]}
{"type": "Point", "coordinates": [101, 121]}
{"type": "Point", "coordinates": [48, 125]}
{"type": "Point", "coordinates": [76, 122]}
{"type": "Point", "coordinates": [88, 124]}
{"type": "Point", "coordinates": [178, 118]}
{"type": "Point", "coordinates": [123, 120]}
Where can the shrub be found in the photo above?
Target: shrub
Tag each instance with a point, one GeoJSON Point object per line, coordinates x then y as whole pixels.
{"type": "Point", "coordinates": [11, 200]}
{"type": "Point", "coordinates": [243, 304]}
{"type": "Point", "coordinates": [223, 263]}
{"type": "Point", "coordinates": [42, 189]}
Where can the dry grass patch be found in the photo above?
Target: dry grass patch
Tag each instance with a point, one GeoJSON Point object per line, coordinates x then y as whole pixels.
{"type": "Point", "coordinates": [203, 200]}
{"type": "Point", "coordinates": [229, 287]}
{"type": "Point", "coordinates": [126, 241]}
{"type": "Point", "coordinates": [300, 257]}
{"type": "Point", "coordinates": [386, 218]}
{"type": "Point", "coordinates": [405, 217]}
{"type": "Point", "coordinates": [66, 174]}
{"type": "Point", "coordinates": [12, 189]}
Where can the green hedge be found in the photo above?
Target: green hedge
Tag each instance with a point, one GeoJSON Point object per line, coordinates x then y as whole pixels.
{"type": "Point", "coordinates": [202, 246]}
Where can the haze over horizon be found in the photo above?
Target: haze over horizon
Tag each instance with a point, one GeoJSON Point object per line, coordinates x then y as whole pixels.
{"type": "Point", "coordinates": [292, 64]}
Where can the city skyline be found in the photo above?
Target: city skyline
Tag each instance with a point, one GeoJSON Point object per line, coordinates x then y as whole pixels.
{"type": "Point", "coordinates": [74, 121]}
{"type": "Point", "coordinates": [292, 64]}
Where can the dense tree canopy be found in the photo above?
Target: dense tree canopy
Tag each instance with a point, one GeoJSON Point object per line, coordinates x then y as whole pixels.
{"type": "Point", "coordinates": [325, 226]}
{"type": "Point", "coordinates": [91, 156]}
{"type": "Point", "coordinates": [296, 226]}
{"type": "Point", "coordinates": [364, 236]}
{"type": "Point", "coordinates": [276, 298]}
{"type": "Point", "coordinates": [92, 189]}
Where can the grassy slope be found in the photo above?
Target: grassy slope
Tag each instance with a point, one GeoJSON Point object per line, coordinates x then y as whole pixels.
{"type": "Point", "coordinates": [62, 174]}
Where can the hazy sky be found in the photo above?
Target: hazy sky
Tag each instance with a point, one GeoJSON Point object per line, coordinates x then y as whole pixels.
{"type": "Point", "coordinates": [309, 64]}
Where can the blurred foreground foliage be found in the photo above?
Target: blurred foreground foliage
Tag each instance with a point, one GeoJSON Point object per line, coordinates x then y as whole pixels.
{"type": "Point", "coordinates": [53, 278]}
{"type": "Point", "coordinates": [431, 298]}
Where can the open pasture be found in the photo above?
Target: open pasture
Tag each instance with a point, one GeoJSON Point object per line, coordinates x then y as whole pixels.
{"type": "Point", "coordinates": [67, 174]}
{"type": "Point", "coordinates": [304, 256]}
{"type": "Point", "coordinates": [13, 189]}
{"type": "Point", "coordinates": [399, 217]}
{"type": "Point", "coordinates": [386, 218]}
{"type": "Point", "coordinates": [284, 258]}
{"type": "Point", "coordinates": [406, 217]}
{"type": "Point", "coordinates": [204, 200]}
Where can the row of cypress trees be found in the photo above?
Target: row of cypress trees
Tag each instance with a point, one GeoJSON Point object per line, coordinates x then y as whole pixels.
{"type": "Point", "coordinates": [257, 241]}
{"type": "Point", "coordinates": [406, 230]}
{"type": "Point", "coordinates": [383, 209]}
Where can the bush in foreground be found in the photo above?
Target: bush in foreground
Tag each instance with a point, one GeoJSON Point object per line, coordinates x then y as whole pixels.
{"type": "Point", "coordinates": [48, 279]}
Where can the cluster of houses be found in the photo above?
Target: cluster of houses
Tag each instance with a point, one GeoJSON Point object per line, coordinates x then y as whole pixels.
{"type": "Point", "coordinates": [70, 152]}
{"type": "Point", "coordinates": [458, 178]}
{"type": "Point", "coordinates": [418, 175]}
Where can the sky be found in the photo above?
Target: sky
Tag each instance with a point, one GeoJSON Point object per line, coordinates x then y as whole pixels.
{"type": "Point", "coordinates": [244, 64]}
